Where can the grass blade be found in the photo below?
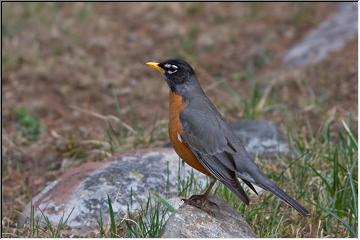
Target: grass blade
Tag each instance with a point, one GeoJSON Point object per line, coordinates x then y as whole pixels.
{"type": "Point", "coordinates": [353, 139]}
{"type": "Point", "coordinates": [112, 219]}
{"type": "Point", "coordinates": [165, 203]}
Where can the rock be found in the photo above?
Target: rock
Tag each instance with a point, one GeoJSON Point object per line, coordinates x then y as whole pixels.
{"type": "Point", "coordinates": [133, 175]}
{"type": "Point", "coordinates": [262, 138]}
{"type": "Point", "coordinates": [191, 222]}
{"type": "Point", "coordinates": [329, 36]}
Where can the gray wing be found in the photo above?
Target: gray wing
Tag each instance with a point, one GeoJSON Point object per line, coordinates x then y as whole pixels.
{"type": "Point", "coordinates": [218, 149]}
{"type": "Point", "coordinates": [205, 136]}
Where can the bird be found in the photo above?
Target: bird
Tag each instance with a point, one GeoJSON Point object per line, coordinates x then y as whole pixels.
{"type": "Point", "coordinates": [205, 141]}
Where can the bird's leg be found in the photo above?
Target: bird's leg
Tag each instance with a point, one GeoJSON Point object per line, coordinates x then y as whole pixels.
{"type": "Point", "coordinates": [208, 190]}
{"type": "Point", "coordinates": [200, 201]}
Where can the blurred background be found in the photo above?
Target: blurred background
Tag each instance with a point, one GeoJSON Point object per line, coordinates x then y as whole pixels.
{"type": "Point", "coordinates": [75, 87]}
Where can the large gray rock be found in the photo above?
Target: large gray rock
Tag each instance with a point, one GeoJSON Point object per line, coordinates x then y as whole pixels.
{"type": "Point", "coordinates": [221, 222]}
{"type": "Point", "coordinates": [329, 36]}
{"type": "Point", "coordinates": [127, 178]}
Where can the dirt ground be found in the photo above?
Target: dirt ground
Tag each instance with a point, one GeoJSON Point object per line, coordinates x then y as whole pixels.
{"type": "Point", "coordinates": [65, 62]}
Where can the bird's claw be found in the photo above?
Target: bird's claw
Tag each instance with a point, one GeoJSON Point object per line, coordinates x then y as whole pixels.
{"type": "Point", "coordinates": [201, 202]}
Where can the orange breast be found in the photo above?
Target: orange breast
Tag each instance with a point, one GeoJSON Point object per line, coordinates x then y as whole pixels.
{"type": "Point", "coordinates": [175, 129]}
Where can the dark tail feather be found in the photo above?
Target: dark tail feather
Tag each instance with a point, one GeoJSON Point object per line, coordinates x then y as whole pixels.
{"type": "Point", "coordinates": [268, 185]}
{"type": "Point", "coordinates": [236, 188]}
{"type": "Point", "coordinates": [250, 186]}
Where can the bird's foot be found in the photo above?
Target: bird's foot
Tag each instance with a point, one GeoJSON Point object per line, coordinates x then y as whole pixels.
{"type": "Point", "coordinates": [202, 202]}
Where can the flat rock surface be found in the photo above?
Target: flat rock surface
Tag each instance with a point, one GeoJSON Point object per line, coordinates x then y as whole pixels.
{"type": "Point", "coordinates": [329, 36]}
{"type": "Point", "coordinates": [221, 222]}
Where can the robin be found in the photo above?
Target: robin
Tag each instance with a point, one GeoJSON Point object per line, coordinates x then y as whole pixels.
{"type": "Point", "coordinates": [203, 139]}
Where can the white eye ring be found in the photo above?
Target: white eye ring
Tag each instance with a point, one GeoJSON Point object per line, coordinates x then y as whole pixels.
{"type": "Point", "coordinates": [171, 72]}
{"type": "Point", "coordinates": [172, 67]}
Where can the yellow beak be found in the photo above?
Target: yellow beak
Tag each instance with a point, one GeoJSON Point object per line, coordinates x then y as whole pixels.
{"type": "Point", "coordinates": [155, 66]}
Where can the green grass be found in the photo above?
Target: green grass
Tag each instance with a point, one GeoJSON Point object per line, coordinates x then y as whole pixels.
{"type": "Point", "coordinates": [151, 217]}
{"type": "Point", "coordinates": [148, 222]}
{"type": "Point", "coordinates": [29, 126]}
{"type": "Point", "coordinates": [53, 230]}
{"type": "Point", "coordinates": [112, 219]}
{"type": "Point", "coordinates": [325, 178]}
{"type": "Point", "coordinates": [40, 225]}
{"type": "Point", "coordinates": [250, 105]}
{"type": "Point", "coordinates": [101, 222]}
{"type": "Point", "coordinates": [34, 223]}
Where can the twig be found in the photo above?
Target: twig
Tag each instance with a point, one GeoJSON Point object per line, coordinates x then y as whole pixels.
{"type": "Point", "coordinates": [105, 118]}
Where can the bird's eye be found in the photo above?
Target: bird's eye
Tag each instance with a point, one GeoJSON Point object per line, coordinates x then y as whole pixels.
{"type": "Point", "coordinates": [171, 68]}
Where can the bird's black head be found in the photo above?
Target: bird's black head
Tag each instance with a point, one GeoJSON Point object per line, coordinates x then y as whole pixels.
{"type": "Point", "coordinates": [176, 72]}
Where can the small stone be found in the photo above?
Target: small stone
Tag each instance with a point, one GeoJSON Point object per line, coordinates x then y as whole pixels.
{"type": "Point", "coordinates": [222, 222]}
